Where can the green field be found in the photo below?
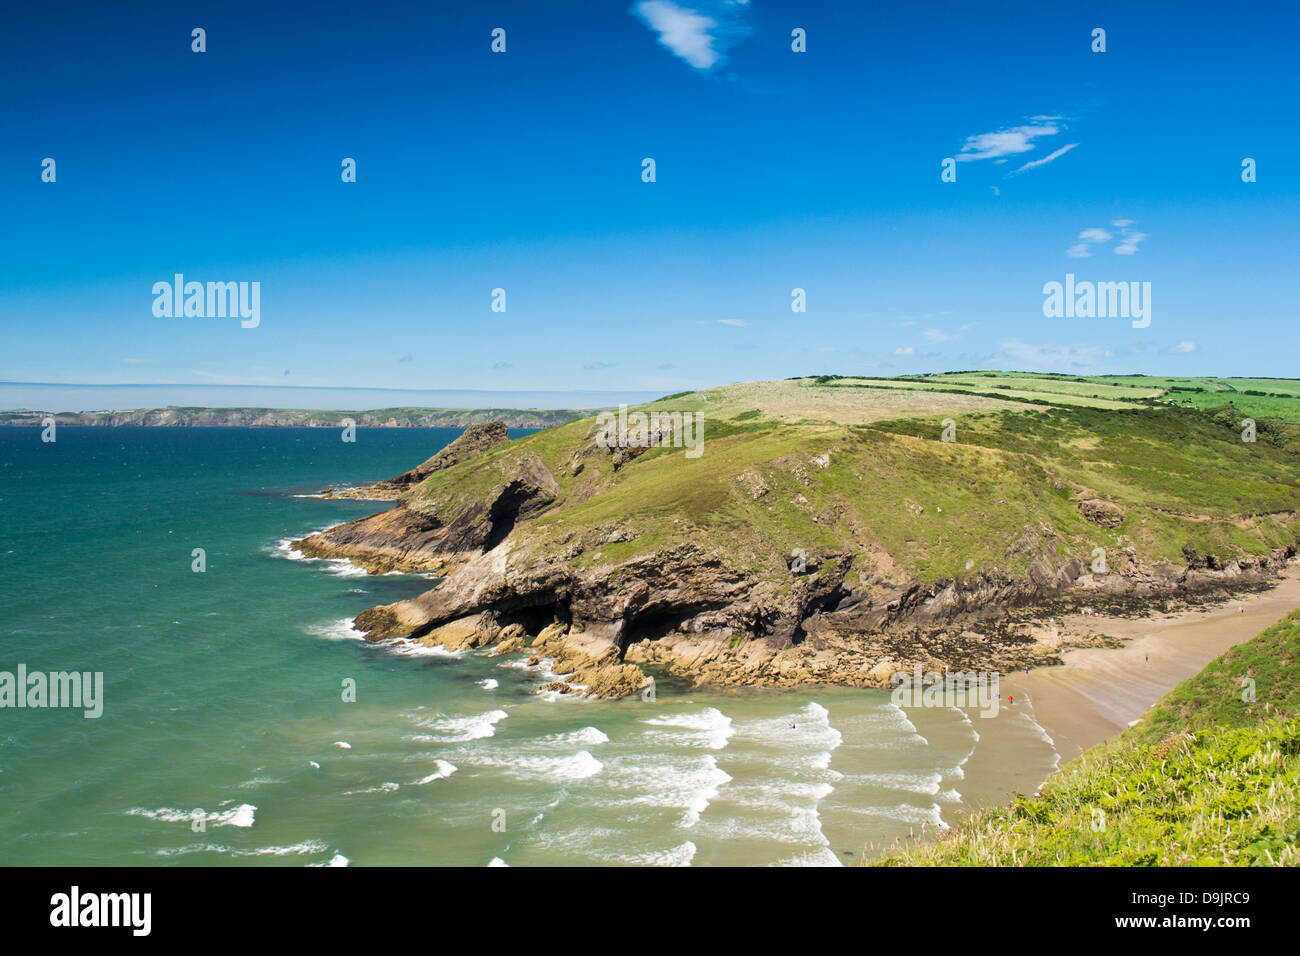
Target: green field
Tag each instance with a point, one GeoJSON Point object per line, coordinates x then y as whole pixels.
{"type": "Point", "coordinates": [1003, 495]}
{"type": "Point", "coordinates": [1255, 397]}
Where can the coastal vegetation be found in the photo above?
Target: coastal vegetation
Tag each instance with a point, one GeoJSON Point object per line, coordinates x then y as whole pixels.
{"type": "Point", "coordinates": [1209, 776]}
{"type": "Point", "coordinates": [845, 532]}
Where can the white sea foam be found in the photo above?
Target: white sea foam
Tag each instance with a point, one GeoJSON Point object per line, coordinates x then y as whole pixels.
{"type": "Point", "coordinates": [338, 859]}
{"type": "Point", "coordinates": [497, 861]}
{"type": "Point", "coordinates": [444, 770]}
{"type": "Point", "coordinates": [574, 767]}
{"type": "Point", "coordinates": [296, 849]}
{"type": "Point", "coordinates": [676, 856]}
{"type": "Point", "coordinates": [192, 848]}
{"type": "Point", "coordinates": [925, 782]}
{"type": "Point", "coordinates": [343, 743]}
{"type": "Point", "coordinates": [460, 729]}
{"type": "Point", "coordinates": [340, 630]}
{"type": "Point", "coordinates": [586, 737]}
{"type": "Point", "coordinates": [907, 813]}
{"type": "Point", "coordinates": [821, 856]}
{"type": "Point", "coordinates": [342, 566]}
{"type": "Point", "coordinates": [711, 722]}
{"type": "Point", "coordinates": [489, 683]}
{"type": "Point", "coordinates": [688, 783]}
{"type": "Point", "coordinates": [387, 787]}
{"type": "Point", "coordinates": [1041, 733]}
{"type": "Point", "coordinates": [240, 816]}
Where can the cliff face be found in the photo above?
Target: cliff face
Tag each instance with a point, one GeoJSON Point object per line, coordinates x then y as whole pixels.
{"type": "Point", "coordinates": [795, 550]}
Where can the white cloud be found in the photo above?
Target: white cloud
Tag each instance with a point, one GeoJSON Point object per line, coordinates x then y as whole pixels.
{"type": "Point", "coordinates": [1046, 159]}
{"type": "Point", "coordinates": [1007, 142]}
{"type": "Point", "coordinates": [1182, 348]}
{"type": "Point", "coordinates": [1052, 357]}
{"type": "Point", "coordinates": [736, 322]}
{"type": "Point", "coordinates": [936, 335]}
{"type": "Point", "coordinates": [690, 35]}
{"type": "Point", "coordinates": [1129, 244]}
{"type": "Point", "coordinates": [1128, 241]}
{"type": "Point", "coordinates": [905, 350]}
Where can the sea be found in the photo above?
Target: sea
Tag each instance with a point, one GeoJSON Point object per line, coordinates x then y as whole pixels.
{"type": "Point", "coordinates": [244, 721]}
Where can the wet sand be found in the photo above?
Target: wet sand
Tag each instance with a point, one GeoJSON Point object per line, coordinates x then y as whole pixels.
{"type": "Point", "coordinates": [1100, 691]}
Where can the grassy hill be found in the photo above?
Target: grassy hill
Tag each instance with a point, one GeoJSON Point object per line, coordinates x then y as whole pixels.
{"type": "Point", "coordinates": [832, 532]}
{"type": "Point", "coordinates": [1186, 482]}
{"type": "Point", "coordinates": [1259, 398]}
{"type": "Point", "coordinates": [1208, 776]}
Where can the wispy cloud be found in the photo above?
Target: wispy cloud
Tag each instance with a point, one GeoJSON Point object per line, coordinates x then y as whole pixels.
{"type": "Point", "coordinates": [736, 322]}
{"type": "Point", "coordinates": [700, 33]}
{"type": "Point", "coordinates": [1183, 348]}
{"type": "Point", "coordinates": [598, 366]}
{"type": "Point", "coordinates": [1008, 142]}
{"type": "Point", "coordinates": [1129, 243]}
{"type": "Point", "coordinates": [1045, 160]}
{"type": "Point", "coordinates": [1054, 357]}
{"type": "Point", "coordinates": [905, 350]}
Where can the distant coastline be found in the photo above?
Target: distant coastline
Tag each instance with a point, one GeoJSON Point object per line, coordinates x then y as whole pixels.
{"type": "Point", "coordinates": [195, 417]}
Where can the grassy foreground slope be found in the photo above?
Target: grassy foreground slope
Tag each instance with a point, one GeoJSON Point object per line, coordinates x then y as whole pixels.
{"type": "Point", "coordinates": [1209, 776]}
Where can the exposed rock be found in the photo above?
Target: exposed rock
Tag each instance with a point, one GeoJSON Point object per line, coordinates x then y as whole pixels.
{"type": "Point", "coordinates": [410, 538]}
{"type": "Point", "coordinates": [1103, 513]}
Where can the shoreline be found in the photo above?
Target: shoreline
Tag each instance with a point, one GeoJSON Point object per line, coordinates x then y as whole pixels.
{"type": "Point", "coordinates": [1099, 691]}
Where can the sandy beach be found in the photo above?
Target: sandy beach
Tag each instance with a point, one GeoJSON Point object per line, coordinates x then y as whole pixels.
{"type": "Point", "coordinates": [1100, 691]}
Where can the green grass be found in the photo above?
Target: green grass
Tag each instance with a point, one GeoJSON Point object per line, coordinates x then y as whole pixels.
{"type": "Point", "coordinates": [1207, 777]}
{"type": "Point", "coordinates": [999, 498]}
{"type": "Point", "coordinates": [1277, 398]}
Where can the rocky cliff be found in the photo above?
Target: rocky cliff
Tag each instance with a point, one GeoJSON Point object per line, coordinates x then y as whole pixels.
{"type": "Point", "coordinates": [799, 549]}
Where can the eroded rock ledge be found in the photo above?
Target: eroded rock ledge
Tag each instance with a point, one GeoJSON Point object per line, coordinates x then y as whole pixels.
{"type": "Point", "coordinates": [683, 610]}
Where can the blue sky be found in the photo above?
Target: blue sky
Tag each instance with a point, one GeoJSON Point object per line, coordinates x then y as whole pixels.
{"type": "Point", "coordinates": [522, 170]}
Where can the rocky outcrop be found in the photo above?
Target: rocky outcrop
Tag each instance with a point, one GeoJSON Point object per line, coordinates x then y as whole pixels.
{"type": "Point", "coordinates": [906, 552]}
{"type": "Point", "coordinates": [686, 611]}
{"type": "Point", "coordinates": [412, 538]}
{"type": "Point", "coordinates": [1103, 513]}
{"type": "Point", "coordinates": [473, 441]}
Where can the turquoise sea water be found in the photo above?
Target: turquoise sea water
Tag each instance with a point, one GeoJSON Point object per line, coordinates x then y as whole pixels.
{"type": "Point", "coordinates": [225, 738]}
